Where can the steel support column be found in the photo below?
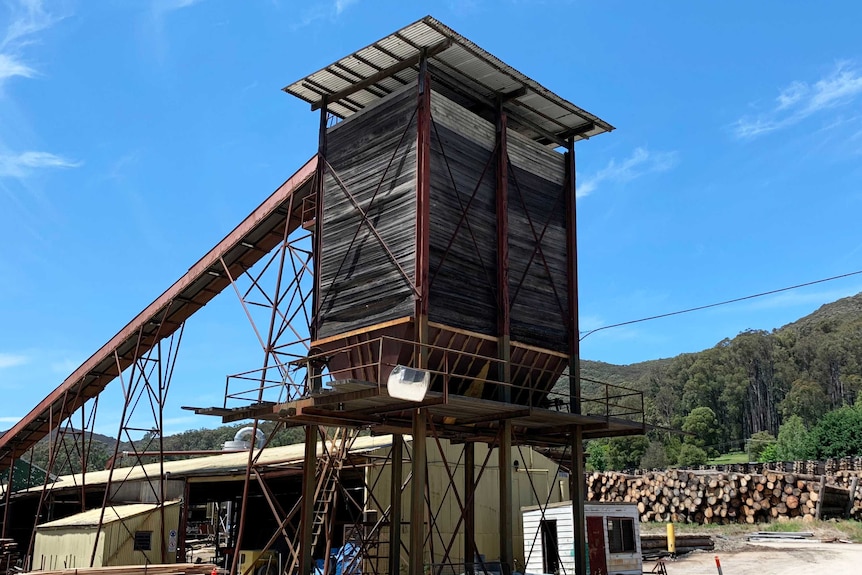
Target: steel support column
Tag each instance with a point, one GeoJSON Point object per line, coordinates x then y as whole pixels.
{"type": "Point", "coordinates": [470, 510]}
{"type": "Point", "coordinates": [395, 505]}
{"type": "Point", "coordinates": [504, 393]}
{"type": "Point", "coordinates": [507, 553]}
{"type": "Point", "coordinates": [417, 495]}
{"type": "Point", "coordinates": [309, 483]}
{"type": "Point", "coordinates": [317, 238]}
{"type": "Point", "coordinates": [577, 477]}
{"type": "Point", "coordinates": [423, 218]}
{"type": "Point", "coordinates": [577, 492]}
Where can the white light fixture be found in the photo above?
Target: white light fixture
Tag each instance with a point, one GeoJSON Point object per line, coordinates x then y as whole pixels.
{"type": "Point", "coordinates": [408, 383]}
{"type": "Point", "coordinates": [212, 273]}
{"type": "Point", "coordinates": [246, 244]}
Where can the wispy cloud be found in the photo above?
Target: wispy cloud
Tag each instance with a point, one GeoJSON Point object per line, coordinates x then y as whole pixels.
{"type": "Point", "coordinates": [26, 19]}
{"type": "Point", "coordinates": [8, 360]}
{"type": "Point", "coordinates": [341, 5]}
{"type": "Point", "coordinates": [641, 162]}
{"type": "Point", "coordinates": [23, 164]}
{"type": "Point", "coordinates": [9, 419]}
{"type": "Point", "coordinates": [327, 10]}
{"type": "Point", "coordinates": [800, 100]}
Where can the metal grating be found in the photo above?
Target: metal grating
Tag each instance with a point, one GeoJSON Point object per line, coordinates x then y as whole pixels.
{"type": "Point", "coordinates": [358, 80]}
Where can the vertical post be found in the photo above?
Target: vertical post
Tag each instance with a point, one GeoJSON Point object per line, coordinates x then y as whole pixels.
{"type": "Point", "coordinates": [470, 509]}
{"type": "Point", "coordinates": [507, 553]}
{"type": "Point", "coordinates": [396, 478]}
{"type": "Point", "coordinates": [184, 523]}
{"type": "Point", "coordinates": [417, 494]}
{"type": "Point", "coordinates": [317, 237]}
{"type": "Point", "coordinates": [423, 211]}
{"type": "Point", "coordinates": [576, 487]}
{"type": "Point", "coordinates": [306, 518]}
{"type": "Point", "coordinates": [504, 392]}
{"type": "Point", "coordinates": [8, 498]}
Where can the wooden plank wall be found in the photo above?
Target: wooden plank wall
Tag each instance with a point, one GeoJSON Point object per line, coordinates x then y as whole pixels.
{"type": "Point", "coordinates": [539, 308]}
{"type": "Point", "coordinates": [462, 290]}
{"type": "Point", "coordinates": [364, 287]}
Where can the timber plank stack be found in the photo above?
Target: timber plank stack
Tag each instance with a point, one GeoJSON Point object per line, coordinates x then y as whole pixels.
{"type": "Point", "coordinates": [710, 497]}
{"type": "Point", "coordinates": [8, 556]}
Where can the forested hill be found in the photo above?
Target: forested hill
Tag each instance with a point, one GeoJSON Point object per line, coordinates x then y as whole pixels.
{"type": "Point", "coordinates": [757, 380]}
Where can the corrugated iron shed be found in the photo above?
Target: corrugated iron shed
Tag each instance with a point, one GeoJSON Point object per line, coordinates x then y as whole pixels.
{"type": "Point", "coordinates": [360, 79]}
{"type": "Point", "coordinates": [91, 518]}
{"type": "Point", "coordinates": [216, 466]}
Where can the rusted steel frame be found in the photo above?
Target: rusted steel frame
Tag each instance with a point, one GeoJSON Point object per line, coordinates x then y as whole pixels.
{"type": "Point", "coordinates": [396, 472]}
{"type": "Point", "coordinates": [469, 512]}
{"type": "Point", "coordinates": [278, 515]}
{"type": "Point", "coordinates": [317, 236]}
{"type": "Point", "coordinates": [52, 460]}
{"type": "Point", "coordinates": [306, 521]}
{"type": "Point", "coordinates": [542, 507]}
{"type": "Point", "coordinates": [294, 290]}
{"type": "Point", "coordinates": [461, 505]}
{"type": "Point", "coordinates": [243, 303]}
{"type": "Point", "coordinates": [113, 459]}
{"type": "Point", "coordinates": [577, 490]}
{"type": "Point", "coordinates": [244, 500]}
{"type": "Point", "coordinates": [572, 281]}
{"type": "Point", "coordinates": [370, 226]}
{"type": "Point", "coordinates": [104, 353]}
{"type": "Point", "coordinates": [128, 393]}
{"type": "Point", "coordinates": [162, 393]}
{"type": "Point", "coordinates": [464, 218]}
{"type": "Point", "coordinates": [469, 501]}
{"type": "Point", "coordinates": [538, 248]}
{"type": "Point", "coordinates": [7, 498]}
{"type": "Point", "coordinates": [504, 350]}
{"type": "Point", "coordinates": [89, 446]}
{"type": "Point", "coordinates": [504, 459]}
{"type": "Point", "coordinates": [269, 338]}
{"type": "Point", "coordinates": [370, 203]}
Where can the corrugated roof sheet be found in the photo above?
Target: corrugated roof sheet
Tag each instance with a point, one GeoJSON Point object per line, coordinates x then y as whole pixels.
{"type": "Point", "coordinates": [540, 111]}
{"type": "Point", "coordinates": [91, 518]}
{"type": "Point", "coordinates": [212, 466]}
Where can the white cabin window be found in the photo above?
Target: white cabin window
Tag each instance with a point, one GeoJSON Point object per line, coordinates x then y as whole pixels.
{"type": "Point", "coordinates": [621, 535]}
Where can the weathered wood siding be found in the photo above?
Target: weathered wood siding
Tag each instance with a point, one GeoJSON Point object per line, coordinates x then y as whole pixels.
{"type": "Point", "coordinates": [539, 309]}
{"type": "Point", "coordinates": [463, 249]}
{"type": "Point", "coordinates": [360, 283]}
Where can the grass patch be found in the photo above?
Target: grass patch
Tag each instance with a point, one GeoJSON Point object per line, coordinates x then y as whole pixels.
{"type": "Point", "coordinates": [852, 528]}
{"type": "Point", "coordinates": [790, 526]}
{"type": "Point", "coordinates": [729, 458]}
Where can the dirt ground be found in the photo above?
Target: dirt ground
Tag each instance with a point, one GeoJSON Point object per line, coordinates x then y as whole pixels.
{"type": "Point", "coordinates": [786, 557]}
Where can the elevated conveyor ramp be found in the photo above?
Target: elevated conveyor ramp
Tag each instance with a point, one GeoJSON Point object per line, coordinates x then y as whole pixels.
{"type": "Point", "coordinates": [250, 241]}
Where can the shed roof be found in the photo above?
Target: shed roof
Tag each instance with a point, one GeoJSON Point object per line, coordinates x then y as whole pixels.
{"type": "Point", "coordinates": [358, 80]}
{"type": "Point", "coordinates": [227, 464]}
{"type": "Point", "coordinates": [116, 513]}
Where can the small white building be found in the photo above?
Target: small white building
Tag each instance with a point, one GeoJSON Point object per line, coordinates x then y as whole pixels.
{"type": "Point", "coordinates": [613, 539]}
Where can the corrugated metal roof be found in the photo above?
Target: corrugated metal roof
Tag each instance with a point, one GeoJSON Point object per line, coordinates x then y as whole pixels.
{"type": "Point", "coordinates": [384, 66]}
{"type": "Point", "coordinates": [212, 466]}
{"type": "Point", "coordinates": [117, 513]}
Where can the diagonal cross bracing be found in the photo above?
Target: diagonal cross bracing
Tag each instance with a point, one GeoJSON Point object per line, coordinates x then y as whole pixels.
{"type": "Point", "coordinates": [250, 241]}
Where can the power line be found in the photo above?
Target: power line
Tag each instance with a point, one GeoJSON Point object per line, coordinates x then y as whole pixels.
{"type": "Point", "coordinates": [735, 300]}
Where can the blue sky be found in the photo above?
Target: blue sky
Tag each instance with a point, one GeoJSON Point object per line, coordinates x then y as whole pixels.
{"type": "Point", "coordinates": [135, 135]}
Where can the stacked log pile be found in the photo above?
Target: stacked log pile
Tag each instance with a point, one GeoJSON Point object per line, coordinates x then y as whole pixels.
{"type": "Point", "coordinates": [710, 497]}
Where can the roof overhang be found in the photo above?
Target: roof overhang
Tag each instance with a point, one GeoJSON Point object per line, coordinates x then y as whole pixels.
{"type": "Point", "coordinates": [381, 68]}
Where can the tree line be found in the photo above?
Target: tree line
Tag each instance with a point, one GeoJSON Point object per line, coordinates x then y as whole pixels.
{"type": "Point", "coordinates": [759, 388]}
